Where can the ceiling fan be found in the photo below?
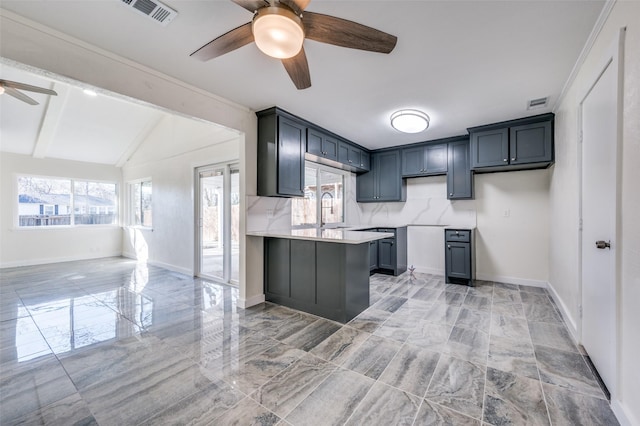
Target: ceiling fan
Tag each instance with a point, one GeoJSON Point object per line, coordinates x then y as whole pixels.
{"type": "Point", "coordinates": [11, 89]}
{"type": "Point", "coordinates": [280, 26]}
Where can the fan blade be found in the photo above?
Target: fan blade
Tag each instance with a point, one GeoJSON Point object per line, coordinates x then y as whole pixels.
{"type": "Point", "coordinates": [297, 5]}
{"type": "Point", "coordinates": [298, 69]}
{"type": "Point", "coordinates": [19, 95]}
{"type": "Point", "coordinates": [226, 43]}
{"type": "Point", "coordinates": [27, 87]}
{"type": "Point", "coordinates": [340, 32]}
{"type": "Point", "coordinates": [251, 5]}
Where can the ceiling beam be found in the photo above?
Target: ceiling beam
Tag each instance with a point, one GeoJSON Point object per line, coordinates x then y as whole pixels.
{"type": "Point", "coordinates": [51, 118]}
{"type": "Point", "coordinates": [140, 138]}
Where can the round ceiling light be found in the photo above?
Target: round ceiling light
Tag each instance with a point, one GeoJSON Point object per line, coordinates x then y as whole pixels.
{"type": "Point", "coordinates": [410, 121]}
{"type": "Point", "coordinates": [278, 31]}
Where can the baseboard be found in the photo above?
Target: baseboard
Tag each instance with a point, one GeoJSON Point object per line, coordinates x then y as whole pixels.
{"type": "Point", "coordinates": [564, 311]}
{"type": "Point", "coordinates": [624, 417]}
{"type": "Point", "coordinates": [171, 267]}
{"type": "Point", "coordinates": [33, 262]}
{"type": "Point", "coordinates": [251, 301]}
{"type": "Point", "coordinates": [163, 265]}
{"type": "Point", "coordinates": [512, 280]}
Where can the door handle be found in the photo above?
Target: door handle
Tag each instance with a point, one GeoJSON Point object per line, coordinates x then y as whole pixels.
{"type": "Point", "coordinates": [603, 244]}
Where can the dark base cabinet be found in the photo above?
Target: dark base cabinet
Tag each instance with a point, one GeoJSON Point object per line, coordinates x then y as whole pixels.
{"type": "Point", "coordinates": [330, 280]}
{"type": "Point", "coordinates": [389, 255]}
{"type": "Point", "coordinates": [459, 256]}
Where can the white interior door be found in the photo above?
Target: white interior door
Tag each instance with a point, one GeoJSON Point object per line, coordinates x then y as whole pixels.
{"type": "Point", "coordinates": [599, 118]}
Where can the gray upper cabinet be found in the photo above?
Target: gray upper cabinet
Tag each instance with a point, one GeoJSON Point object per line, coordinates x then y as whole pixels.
{"type": "Point", "coordinates": [424, 160]}
{"type": "Point", "coordinates": [322, 145]}
{"type": "Point", "coordinates": [490, 148]}
{"type": "Point", "coordinates": [513, 145]}
{"type": "Point", "coordinates": [459, 175]}
{"type": "Point", "coordinates": [281, 154]}
{"type": "Point", "coordinates": [384, 181]}
{"type": "Point", "coordinates": [365, 161]}
{"type": "Point", "coordinates": [352, 156]}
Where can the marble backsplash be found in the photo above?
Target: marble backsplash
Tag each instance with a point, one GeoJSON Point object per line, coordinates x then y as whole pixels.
{"type": "Point", "coordinates": [426, 205]}
{"type": "Point", "coordinates": [268, 213]}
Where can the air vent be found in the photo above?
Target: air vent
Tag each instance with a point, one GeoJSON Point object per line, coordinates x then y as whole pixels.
{"type": "Point", "coordinates": [155, 10]}
{"type": "Point", "coordinates": [537, 103]}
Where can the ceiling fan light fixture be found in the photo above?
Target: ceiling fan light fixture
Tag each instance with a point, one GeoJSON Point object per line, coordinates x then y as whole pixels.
{"type": "Point", "coordinates": [278, 31]}
{"type": "Point", "coordinates": [410, 121]}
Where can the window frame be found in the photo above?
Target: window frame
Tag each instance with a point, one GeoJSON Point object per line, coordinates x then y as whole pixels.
{"type": "Point", "coordinates": [131, 216]}
{"type": "Point", "coordinates": [346, 175]}
{"type": "Point", "coordinates": [72, 213]}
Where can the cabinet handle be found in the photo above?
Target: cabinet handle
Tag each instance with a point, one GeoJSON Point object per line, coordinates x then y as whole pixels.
{"type": "Point", "coordinates": [513, 159]}
{"type": "Point", "coordinates": [351, 161]}
{"type": "Point", "coordinates": [451, 194]}
{"type": "Point", "coordinates": [505, 160]}
{"type": "Point", "coordinates": [449, 247]}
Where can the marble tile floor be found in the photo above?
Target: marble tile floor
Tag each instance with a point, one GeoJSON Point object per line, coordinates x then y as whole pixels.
{"type": "Point", "coordinates": [114, 342]}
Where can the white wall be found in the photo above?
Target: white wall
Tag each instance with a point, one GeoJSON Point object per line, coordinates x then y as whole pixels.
{"type": "Point", "coordinates": [32, 44]}
{"type": "Point", "coordinates": [169, 156]}
{"type": "Point", "coordinates": [512, 239]}
{"type": "Point", "coordinates": [20, 247]}
{"type": "Point", "coordinates": [564, 203]}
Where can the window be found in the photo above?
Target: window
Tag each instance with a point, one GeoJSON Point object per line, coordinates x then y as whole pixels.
{"type": "Point", "coordinates": [44, 201]}
{"type": "Point", "coordinates": [323, 201]}
{"type": "Point", "coordinates": [91, 200]}
{"type": "Point", "coordinates": [141, 203]}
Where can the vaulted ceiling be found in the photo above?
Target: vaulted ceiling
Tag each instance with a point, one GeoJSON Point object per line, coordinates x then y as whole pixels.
{"type": "Point", "coordinates": [465, 63]}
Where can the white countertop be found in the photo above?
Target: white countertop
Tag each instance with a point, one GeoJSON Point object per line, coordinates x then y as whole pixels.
{"type": "Point", "coordinates": [327, 235]}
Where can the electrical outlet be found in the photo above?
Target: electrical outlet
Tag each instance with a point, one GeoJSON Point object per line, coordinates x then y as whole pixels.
{"type": "Point", "coordinates": [507, 213]}
{"type": "Point", "coordinates": [270, 214]}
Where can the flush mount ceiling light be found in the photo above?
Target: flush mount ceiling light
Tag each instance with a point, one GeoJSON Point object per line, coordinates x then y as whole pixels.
{"type": "Point", "coordinates": [278, 31]}
{"type": "Point", "coordinates": [409, 121]}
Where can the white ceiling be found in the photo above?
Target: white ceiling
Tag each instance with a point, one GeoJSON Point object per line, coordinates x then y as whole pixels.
{"type": "Point", "coordinates": [105, 129]}
{"type": "Point", "coordinates": [465, 63]}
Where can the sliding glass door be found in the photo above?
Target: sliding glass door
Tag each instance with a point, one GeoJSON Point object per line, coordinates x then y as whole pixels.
{"type": "Point", "coordinates": [217, 222]}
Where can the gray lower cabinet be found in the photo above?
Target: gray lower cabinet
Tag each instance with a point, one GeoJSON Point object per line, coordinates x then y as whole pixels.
{"type": "Point", "coordinates": [459, 176]}
{"type": "Point", "coordinates": [330, 280]}
{"type": "Point", "coordinates": [459, 256]}
{"type": "Point", "coordinates": [389, 255]}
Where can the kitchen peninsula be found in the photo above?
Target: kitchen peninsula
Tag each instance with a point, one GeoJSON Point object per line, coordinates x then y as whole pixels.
{"type": "Point", "coordinates": [321, 271]}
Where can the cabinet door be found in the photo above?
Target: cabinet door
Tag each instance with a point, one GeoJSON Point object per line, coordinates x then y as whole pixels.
{"type": "Point", "coordinates": [365, 187]}
{"type": "Point", "coordinates": [303, 270]}
{"type": "Point", "coordinates": [386, 254]}
{"type": "Point", "coordinates": [314, 142]}
{"type": "Point", "coordinates": [291, 147]}
{"type": "Point", "coordinates": [412, 161]}
{"type": "Point", "coordinates": [343, 152]}
{"type": "Point", "coordinates": [435, 158]}
{"type": "Point", "coordinates": [490, 148]}
{"type": "Point", "coordinates": [373, 255]}
{"type": "Point", "coordinates": [388, 176]}
{"type": "Point", "coordinates": [530, 143]}
{"type": "Point", "coordinates": [459, 176]}
{"type": "Point", "coordinates": [365, 161]}
{"type": "Point", "coordinates": [354, 156]}
{"type": "Point", "coordinates": [330, 148]}
{"type": "Point", "coordinates": [277, 276]}
{"type": "Point", "coordinates": [458, 260]}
